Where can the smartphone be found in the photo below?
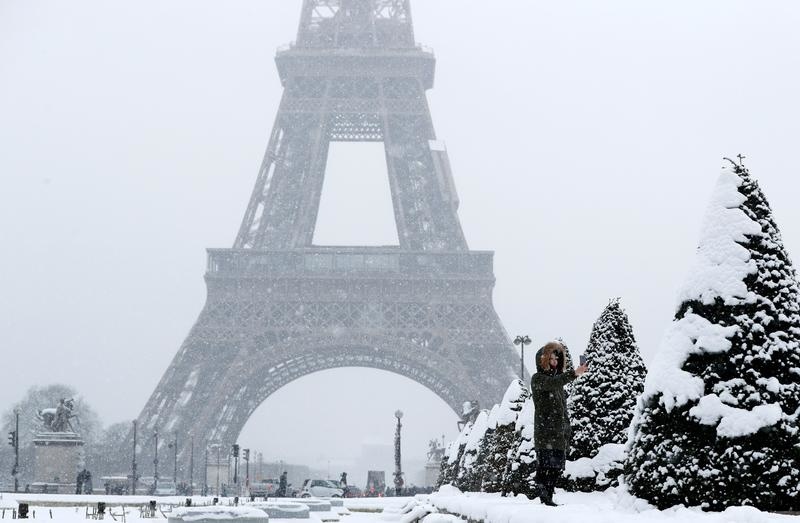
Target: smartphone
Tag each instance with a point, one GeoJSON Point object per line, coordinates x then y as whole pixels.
{"type": "Point", "coordinates": [584, 361]}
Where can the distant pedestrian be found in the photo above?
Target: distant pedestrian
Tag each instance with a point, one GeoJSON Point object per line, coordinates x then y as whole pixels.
{"type": "Point", "coordinates": [79, 482]}
{"type": "Point", "coordinates": [83, 483]}
{"type": "Point", "coordinates": [282, 485]}
{"type": "Point", "coordinates": [88, 488]}
{"type": "Point", "coordinates": [551, 431]}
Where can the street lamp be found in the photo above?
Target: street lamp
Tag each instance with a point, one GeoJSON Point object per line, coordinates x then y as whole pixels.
{"type": "Point", "coordinates": [246, 457]}
{"type": "Point", "coordinates": [218, 462]}
{"type": "Point", "coordinates": [191, 467]}
{"type": "Point", "coordinates": [13, 440]}
{"type": "Point", "coordinates": [398, 471]}
{"type": "Point", "coordinates": [174, 446]}
{"type": "Point", "coordinates": [522, 340]}
{"type": "Point", "coordinates": [155, 462]}
{"type": "Point", "coordinates": [134, 474]}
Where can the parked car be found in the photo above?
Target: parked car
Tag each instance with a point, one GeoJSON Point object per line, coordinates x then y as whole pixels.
{"type": "Point", "coordinates": [321, 488]}
{"type": "Point", "coordinates": [116, 485]}
{"type": "Point", "coordinates": [166, 487]}
{"type": "Point", "coordinates": [264, 488]}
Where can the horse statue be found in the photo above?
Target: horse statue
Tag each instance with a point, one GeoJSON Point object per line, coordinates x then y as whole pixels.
{"type": "Point", "coordinates": [57, 419]}
{"type": "Point", "coordinates": [435, 450]}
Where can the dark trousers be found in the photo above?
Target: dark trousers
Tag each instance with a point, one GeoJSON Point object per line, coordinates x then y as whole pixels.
{"type": "Point", "coordinates": [549, 466]}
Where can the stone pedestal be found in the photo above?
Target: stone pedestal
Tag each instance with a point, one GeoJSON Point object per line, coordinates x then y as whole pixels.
{"type": "Point", "coordinates": [58, 457]}
{"type": "Point", "coordinates": [432, 469]}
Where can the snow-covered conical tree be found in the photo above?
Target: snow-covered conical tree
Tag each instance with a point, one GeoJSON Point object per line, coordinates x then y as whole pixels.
{"type": "Point", "coordinates": [444, 467]}
{"type": "Point", "coordinates": [602, 401]}
{"type": "Point", "coordinates": [468, 478]}
{"type": "Point", "coordinates": [502, 420]}
{"type": "Point", "coordinates": [453, 456]}
{"type": "Point", "coordinates": [481, 470]}
{"type": "Point", "coordinates": [520, 473]}
{"type": "Point", "coordinates": [717, 424]}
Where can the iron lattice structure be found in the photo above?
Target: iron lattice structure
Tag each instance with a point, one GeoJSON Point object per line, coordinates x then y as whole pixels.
{"type": "Point", "coordinates": [278, 307]}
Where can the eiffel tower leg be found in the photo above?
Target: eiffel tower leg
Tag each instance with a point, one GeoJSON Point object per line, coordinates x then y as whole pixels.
{"type": "Point", "coordinates": [290, 170]}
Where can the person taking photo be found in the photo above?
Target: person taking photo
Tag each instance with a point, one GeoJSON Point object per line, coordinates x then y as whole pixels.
{"type": "Point", "coordinates": [551, 427]}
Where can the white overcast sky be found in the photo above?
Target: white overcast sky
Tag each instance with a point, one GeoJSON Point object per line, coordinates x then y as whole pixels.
{"type": "Point", "coordinates": [585, 138]}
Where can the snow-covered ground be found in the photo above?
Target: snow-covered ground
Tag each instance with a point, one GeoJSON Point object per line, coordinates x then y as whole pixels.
{"type": "Point", "coordinates": [447, 506]}
{"type": "Point", "coordinates": [614, 505]}
{"type": "Point", "coordinates": [68, 508]}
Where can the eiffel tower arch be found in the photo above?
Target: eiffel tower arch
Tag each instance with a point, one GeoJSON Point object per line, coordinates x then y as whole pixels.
{"type": "Point", "coordinates": [278, 307]}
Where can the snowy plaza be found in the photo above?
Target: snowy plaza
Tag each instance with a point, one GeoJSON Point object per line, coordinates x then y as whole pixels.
{"type": "Point", "coordinates": [449, 506]}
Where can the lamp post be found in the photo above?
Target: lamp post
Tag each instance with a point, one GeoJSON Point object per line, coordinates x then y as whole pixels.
{"type": "Point", "coordinates": [155, 463]}
{"type": "Point", "coordinates": [522, 340]}
{"type": "Point", "coordinates": [134, 478]}
{"type": "Point", "coordinates": [398, 471]}
{"type": "Point", "coordinates": [13, 440]}
{"type": "Point", "coordinates": [218, 458]}
{"type": "Point", "coordinates": [174, 446]}
{"type": "Point", "coordinates": [246, 457]}
{"type": "Point", "coordinates": [191, 467]}
{"type": "Point", "coordinates": [205, 470]}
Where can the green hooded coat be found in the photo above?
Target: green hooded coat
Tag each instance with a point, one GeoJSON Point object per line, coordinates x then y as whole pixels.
{"type": "Point", "coordinates": [551, 428]}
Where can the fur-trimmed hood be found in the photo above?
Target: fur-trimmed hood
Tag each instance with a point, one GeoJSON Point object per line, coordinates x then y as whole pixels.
{"type": "Point", "coordinates": [543, 357]}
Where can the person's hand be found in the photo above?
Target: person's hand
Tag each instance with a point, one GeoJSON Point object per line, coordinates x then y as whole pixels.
{"type": "Point", "coordinates": [583, 368]}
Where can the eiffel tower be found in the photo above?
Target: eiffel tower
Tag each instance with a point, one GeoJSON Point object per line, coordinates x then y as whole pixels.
{"type": "Point", "coordinates": [279, 307]}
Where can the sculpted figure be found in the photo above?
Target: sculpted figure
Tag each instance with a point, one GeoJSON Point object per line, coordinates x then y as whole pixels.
{"type": "Point", "coordinates": [57, 419]}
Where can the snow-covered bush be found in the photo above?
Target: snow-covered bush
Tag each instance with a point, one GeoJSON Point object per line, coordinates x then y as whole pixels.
{"type": "Point", "coordinates": [717, 424]}
{"type": "Point", "coordinates": [453, 457]}
{"type": "Point", "coordinates": [468, 479]}
{"type": "Point", "coordinates": [444, 468]}
{"type": "Point", "coordinates": [497, 444]}
{"type": "Point", "coordinates": [602, 401]}
{"type": "Point", "coordinates": [598, 472]}
{"type": "Point", "coordinates": [520, 473]}
{"type": "Point", "coordinates": [481, 468]}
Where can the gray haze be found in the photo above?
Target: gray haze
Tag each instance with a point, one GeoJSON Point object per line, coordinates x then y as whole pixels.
{"type": "Point", "coordinates": [585, 138]}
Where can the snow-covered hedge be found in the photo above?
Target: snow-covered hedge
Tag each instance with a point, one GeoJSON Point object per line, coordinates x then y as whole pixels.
{"type": "Point", "coordinates": [520, 473]}
{"type": "Point", "coordinates": [500, 442]}
{"type": "Point", "coordinates": [454, 452]}
{"type": "Point", "coordinates": [469, 474]}
{"type": "Point", "coordinates": [479, 458]}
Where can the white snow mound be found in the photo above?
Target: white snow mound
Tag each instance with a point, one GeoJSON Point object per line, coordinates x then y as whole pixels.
{"type": "Point", "coordinates": [735, 422]}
